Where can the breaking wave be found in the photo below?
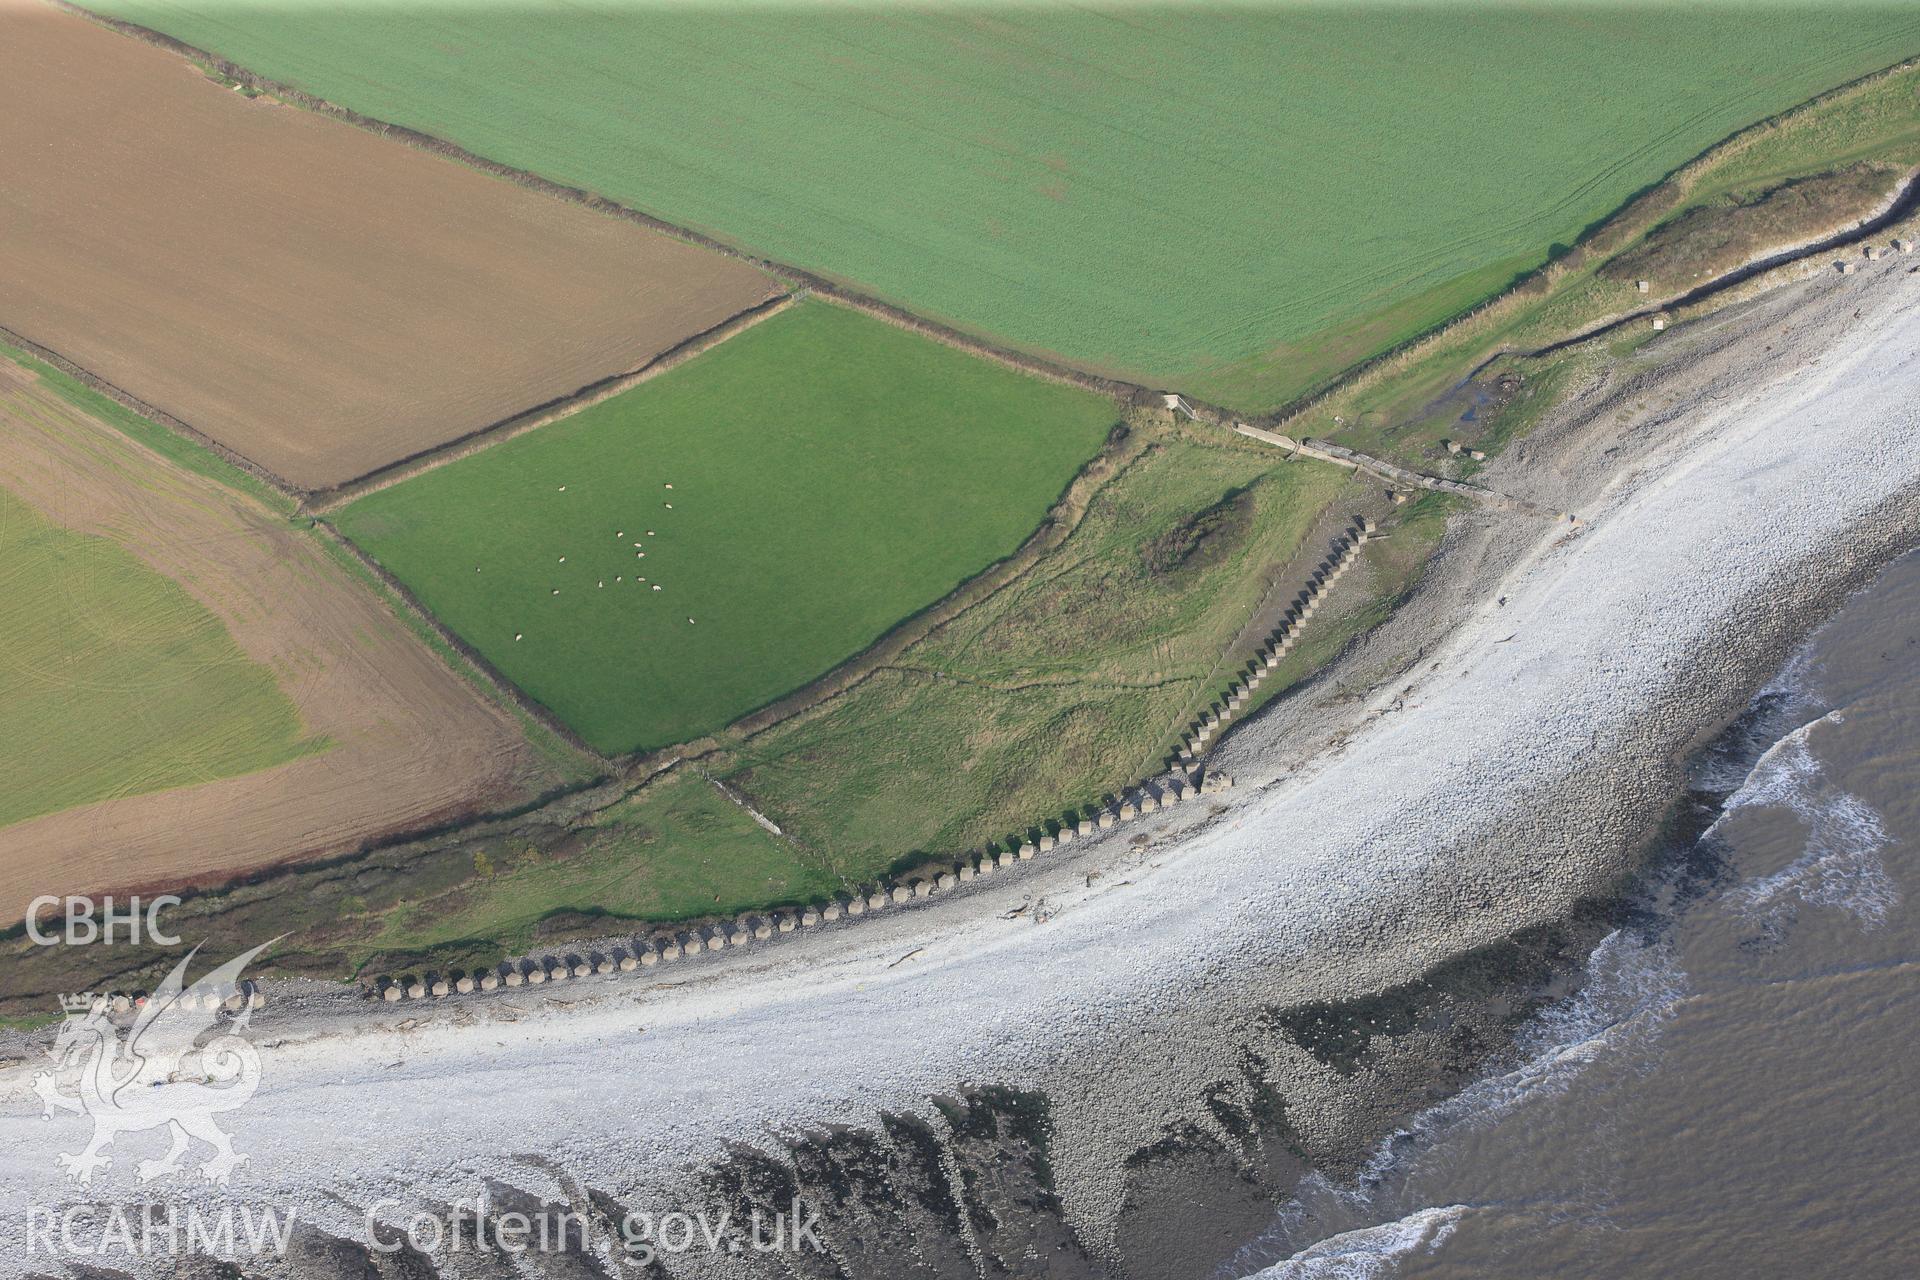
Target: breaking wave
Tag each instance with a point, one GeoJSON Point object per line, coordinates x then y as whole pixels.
{"type": "Point", "coordinates": [1841, 864]}
{"type": "Point", "coordinates": [1632, 988]}
{"type": "Point", "coordinates": [1369, 1252]}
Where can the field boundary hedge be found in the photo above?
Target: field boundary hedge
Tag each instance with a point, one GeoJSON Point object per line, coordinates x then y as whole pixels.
{"type": "Point", "coordinates": [319, 501]}
{"type": "Point", "coordinates": [159, 417]}
{"type": "Point", "coordinates": [1634, 218]}
{"type": "Point", "coordinates": [796, 277]}
{"type": "Point", "coordinates": [420, 613]}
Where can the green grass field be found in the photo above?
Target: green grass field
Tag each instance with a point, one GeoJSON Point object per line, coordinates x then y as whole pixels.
{"type": "Point", "coordinates": [792, 493]}
{"type": "Point", "coordinates": [115, 681]}
{"type": "Point", "coordinates": [1071, 682]}
{"type": "Point", "coordinates": [1238, 200]}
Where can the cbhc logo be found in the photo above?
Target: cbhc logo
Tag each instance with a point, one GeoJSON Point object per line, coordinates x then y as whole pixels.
{"type": "Point", "coordinates": [81, 929]}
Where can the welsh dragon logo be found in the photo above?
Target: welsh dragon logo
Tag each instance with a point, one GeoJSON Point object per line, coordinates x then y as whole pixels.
{"type": "Point", "coordinates": [183, 1062]}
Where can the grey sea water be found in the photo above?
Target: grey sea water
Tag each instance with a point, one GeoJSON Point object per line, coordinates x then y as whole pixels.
{"type": "Point", "coordinates": [1735, 1092]}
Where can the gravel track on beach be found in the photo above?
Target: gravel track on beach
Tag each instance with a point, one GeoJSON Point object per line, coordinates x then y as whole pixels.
{"type": "Point", "coordinates": [1473, 768]}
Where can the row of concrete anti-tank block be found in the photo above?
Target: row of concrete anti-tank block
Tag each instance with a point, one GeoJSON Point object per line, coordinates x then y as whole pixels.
{"type": "Point", "coordinates": [669, 946]}
{"type": "Point", "coordinates": [1186, 781]}
{"type": "Point", "coordinates": [231, 999]}
{"type": "Point", "coordinates": [1872, 252]}
{"type": "Point", "coordinates": [1845, 266]}
{"type": "Point", "coordinates": [1277, 644]}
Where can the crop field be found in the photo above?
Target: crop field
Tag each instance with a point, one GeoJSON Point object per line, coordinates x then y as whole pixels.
{"type": "Point", "coordinates": [1237, 201]}
{"type": "Point", "coordinates": [665, 561]}
{"type": "Point", "coordinates": [319, 300]}
{"type": "Point", "coordinates": [116, 681]}
{"type": "Point", "coordinates": [192, 687]}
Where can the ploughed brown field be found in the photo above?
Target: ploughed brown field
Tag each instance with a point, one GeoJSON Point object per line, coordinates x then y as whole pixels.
{"type": "Point", "coordinates": [410, 744]}
{"type": "Point", "coordinates": [317, 299]}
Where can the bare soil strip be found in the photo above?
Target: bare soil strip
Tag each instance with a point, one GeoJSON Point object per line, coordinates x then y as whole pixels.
{"type": "Point", "coordinates": [317, 301]}
{"type": "Point", "coordinates": [415, 746]}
